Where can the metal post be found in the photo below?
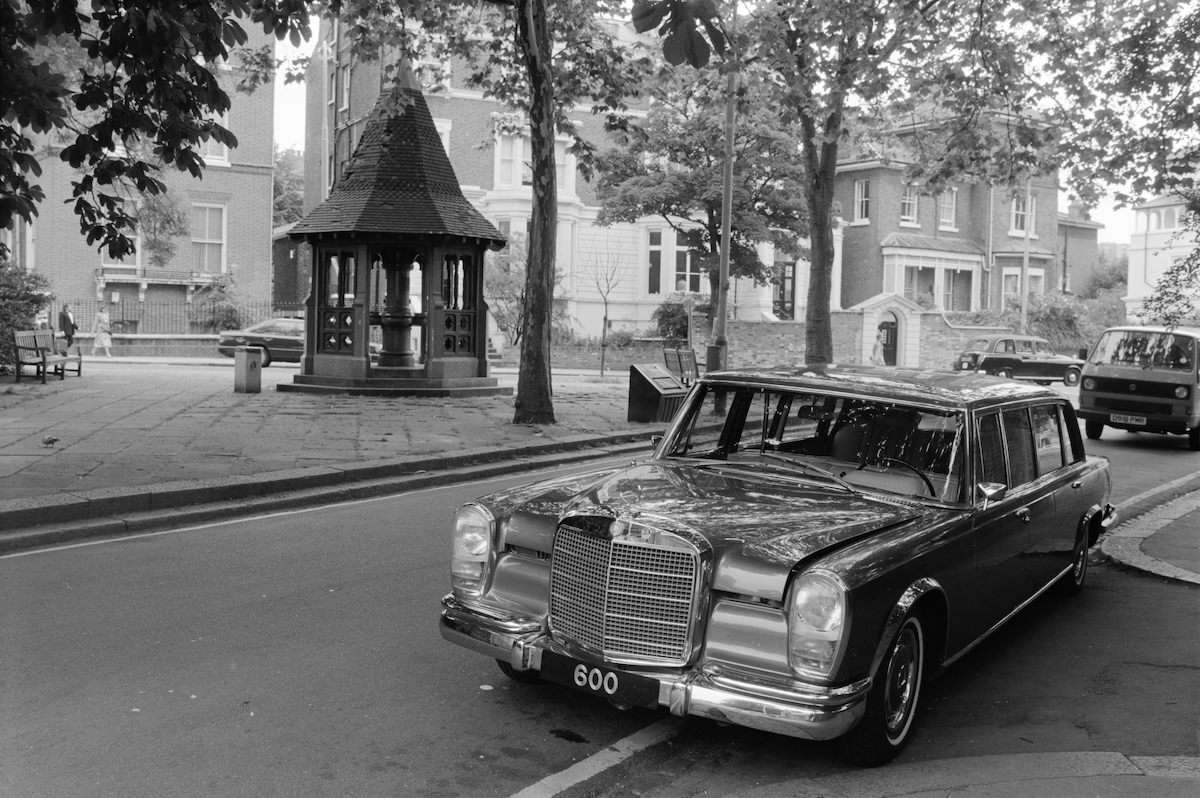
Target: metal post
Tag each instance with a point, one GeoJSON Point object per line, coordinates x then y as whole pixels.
{"type": "Point", "coordinates": [1025, 259]}
{"type": "Point", "coordinates": [715, 359]}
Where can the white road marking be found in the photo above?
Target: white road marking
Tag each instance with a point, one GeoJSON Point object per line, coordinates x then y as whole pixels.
{"type": "Point", "coordinates": [601, 761]}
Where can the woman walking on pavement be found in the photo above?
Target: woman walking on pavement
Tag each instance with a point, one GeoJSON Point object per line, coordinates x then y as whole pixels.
{"type": "Point", "coordinates": [103, 332]}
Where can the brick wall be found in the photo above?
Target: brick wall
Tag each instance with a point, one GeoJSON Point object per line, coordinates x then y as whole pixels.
{"type": "Point", "coordinates": [781, 343]}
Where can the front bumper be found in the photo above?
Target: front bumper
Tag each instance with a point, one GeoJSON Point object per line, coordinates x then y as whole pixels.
{"type": "Point", "coordinates": [1154, 422]}
{"type": "Point", "coordinates": [810, 712]}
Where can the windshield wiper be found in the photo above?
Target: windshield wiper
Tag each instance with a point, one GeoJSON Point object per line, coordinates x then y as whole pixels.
{"type": "Point", "coordinates": [807, 466]}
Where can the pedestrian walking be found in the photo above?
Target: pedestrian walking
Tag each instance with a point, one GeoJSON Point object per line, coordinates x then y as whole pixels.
{"type": "Point", "coordinates": [103, 332]}
{"type": "Point", "coordinates": [66, 323]}
{"type": "Point", "coordinates": [877, 356]}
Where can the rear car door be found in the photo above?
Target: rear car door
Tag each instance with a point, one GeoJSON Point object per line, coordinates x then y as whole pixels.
{"type": "Point", "coordinates": [1004, 528]}
{"type": "Point", "coordinates": [1026, 363]}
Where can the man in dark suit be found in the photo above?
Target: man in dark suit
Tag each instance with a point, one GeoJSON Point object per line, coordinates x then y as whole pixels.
{"type": "Point", "coordinates": [66, 323]}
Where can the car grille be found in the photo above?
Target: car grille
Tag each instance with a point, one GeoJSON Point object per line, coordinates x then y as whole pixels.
{"type": "Point", "coordinates": [1116, 385]}
{"type": "Point", "coordinates": [1132, 396]}
{"type": "Point", "coordinates": [630, 600]}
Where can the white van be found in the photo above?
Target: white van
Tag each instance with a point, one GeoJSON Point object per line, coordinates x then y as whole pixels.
{"type": "Point", "coordinates": [1143, 379]}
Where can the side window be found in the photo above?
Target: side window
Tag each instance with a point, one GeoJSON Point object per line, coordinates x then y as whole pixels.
{"type": "Point", "coordinates": [1072, 440]}
{"type": "Point", "coordinates": [1018, 433]}
{"type": "Point", "coordinates": [1006, 346]}
{"type": "Point", "coordinates": [705, 434]}
{"type": "Point", "coordinates": [1047, 439]}
{"type": "Point", "coordinates": [991, 450]}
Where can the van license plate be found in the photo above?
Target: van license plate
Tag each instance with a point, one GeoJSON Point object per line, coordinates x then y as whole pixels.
{"type": "Point", "coordinates": [1135, 420]}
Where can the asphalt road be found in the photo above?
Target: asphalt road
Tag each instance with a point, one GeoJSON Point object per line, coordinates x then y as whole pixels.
{"type": "Point", "coordinates": [298, 655]}
{"type": "Point", "coordinates": [295, 655]}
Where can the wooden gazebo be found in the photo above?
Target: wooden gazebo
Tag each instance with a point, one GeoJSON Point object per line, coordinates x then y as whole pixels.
{"type": "Point", "coordinates": [396, 244]}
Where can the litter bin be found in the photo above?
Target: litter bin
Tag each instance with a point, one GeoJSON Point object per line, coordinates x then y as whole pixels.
{"type": "Point", "coordinates": [654, 393]}
{"type": "Point", "coordinates": [247, 369]}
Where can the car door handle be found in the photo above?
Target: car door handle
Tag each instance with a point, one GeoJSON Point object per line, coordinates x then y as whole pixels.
{"type": "Point", "coordinates": [1023, 514]}
{"type": "Point", "coordinates": [1077, 485]}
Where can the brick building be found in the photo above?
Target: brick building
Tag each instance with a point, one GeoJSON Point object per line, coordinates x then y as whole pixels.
{"type": "Point", "coordinates": [228, 216]}
{"type": "Point", "coordinates": [962, 250]}
{"type": "Point", "coordinates": [640, 264]}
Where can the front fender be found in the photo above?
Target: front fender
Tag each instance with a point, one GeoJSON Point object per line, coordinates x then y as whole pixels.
{"type": "Point", "coordinates": [900, 610]}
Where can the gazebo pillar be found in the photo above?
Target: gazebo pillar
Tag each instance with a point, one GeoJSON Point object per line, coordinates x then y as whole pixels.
{"type": "Point", "coordinates": [397, 318]}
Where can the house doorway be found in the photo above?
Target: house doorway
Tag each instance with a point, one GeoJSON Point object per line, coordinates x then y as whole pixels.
{"type": "Point", "coordinates": [888, 330]}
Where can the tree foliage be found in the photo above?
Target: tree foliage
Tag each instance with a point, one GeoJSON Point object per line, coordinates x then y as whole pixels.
{"type": "Point", "coordinates": [504, 288]}
{"type": "Point", "coordinates": [216, 307]}
{"type": "Point", "coordinates": [670, 165]}
{"type": "Point", "coordinates": [160, 223]}
{"type": "Point", "coordinates": [288, 189]}
{"type": "Point", "coordinates": [119, 90]}
{"type": "Point", "coordinates": [22, 296]}
{"type": "Point", "coordinates": [1176, 296]}
{"type": "Point", "coordinates": [975, 91]}
{"type": "Point", "coordinates": [670, 319]}
{"type": "Point", "coordinates": [1131, 128]}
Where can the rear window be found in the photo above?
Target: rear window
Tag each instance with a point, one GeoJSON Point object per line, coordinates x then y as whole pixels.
{"type": "Point", "coordinates": [978, 345]}
{"type": "Point", "coordinates": [1147, 349]}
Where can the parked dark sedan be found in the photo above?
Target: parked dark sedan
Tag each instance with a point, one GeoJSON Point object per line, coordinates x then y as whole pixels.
{"type": "Point", "coordinates": [1021, 357]}
{"type": "Point", "coordinates": [802, 550]}
{"type": "Point", "coordinates": [279, 339]}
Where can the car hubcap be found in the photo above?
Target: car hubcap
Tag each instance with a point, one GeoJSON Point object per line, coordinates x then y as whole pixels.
{"type": "Point", "coordinates": [901, 686]}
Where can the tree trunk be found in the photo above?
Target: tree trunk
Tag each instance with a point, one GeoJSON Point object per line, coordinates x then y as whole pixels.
{"type": "Point", "coordinates": [533, 403]}
{"type": "Point", "coordinates": [821, 161]}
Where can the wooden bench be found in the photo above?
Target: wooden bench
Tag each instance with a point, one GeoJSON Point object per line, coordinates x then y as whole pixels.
{"type": "Point", "coordinates": [38, 348]}
{"type": "Point", "coordinates": [682, 363]}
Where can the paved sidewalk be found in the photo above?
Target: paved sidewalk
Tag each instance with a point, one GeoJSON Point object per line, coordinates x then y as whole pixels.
{"type": "Point", "coordinates": [139, 442]}
{"type": "Point", "coordinates": [136, 438]}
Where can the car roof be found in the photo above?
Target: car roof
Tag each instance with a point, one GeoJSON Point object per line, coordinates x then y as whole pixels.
{"type": "Point", "coordinates": [1193, 331]}
{"type": "Point", "coordinates": [1006, 336]}
{"type": "Point", "coordinates": [948, 389]}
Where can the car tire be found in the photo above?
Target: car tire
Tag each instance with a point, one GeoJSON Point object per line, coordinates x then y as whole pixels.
{"type": "Point", "coordinates": [1071, 377]}
{"type": "Point", "coordinates": [266, 356]}
{"type": "Point", "coordinates": [524, 677]}
{"type": "Point", "coordinates": [1005, 373]}
{"type": "Point", "coordinates": [1194, 439]}
{"type": "Point", "coordinates": [1093, 429]}
{"type": "Point", "coordinates": [893, 700]}
{"type": "Point", "coordinates": [1072, 581]}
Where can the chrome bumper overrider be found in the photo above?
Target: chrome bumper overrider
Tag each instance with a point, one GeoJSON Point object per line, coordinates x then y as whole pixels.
{"type": "Point", "coordinates": [810, 712]}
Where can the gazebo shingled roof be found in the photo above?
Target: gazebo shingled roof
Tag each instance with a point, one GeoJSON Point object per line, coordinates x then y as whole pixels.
{"type": "Point", "coordinates": [399, 180]}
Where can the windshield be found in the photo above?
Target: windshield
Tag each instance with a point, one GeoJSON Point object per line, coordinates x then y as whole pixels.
{"type": "Point", "coordinates": [1147, 349]}
{"type": "Point", "coordinates": [860, 443]}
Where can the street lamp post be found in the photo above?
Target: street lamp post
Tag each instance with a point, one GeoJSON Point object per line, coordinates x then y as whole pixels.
{"type": "Point", "coordinates": [715, 356]}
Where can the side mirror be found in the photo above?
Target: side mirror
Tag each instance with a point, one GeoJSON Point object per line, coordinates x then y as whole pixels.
{"type": "Point", "coordinates": [991, 491]}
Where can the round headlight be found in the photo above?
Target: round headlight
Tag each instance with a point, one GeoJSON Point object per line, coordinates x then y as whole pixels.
{"type": "Point", "coordinates": [816, 623]}
{"type": "Point", "coordinates": [472, 544]}
{"type": "Point", "coordinates": [1089, 384]}
{"type": "Point", "coordinates": [1181, 392]}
